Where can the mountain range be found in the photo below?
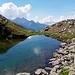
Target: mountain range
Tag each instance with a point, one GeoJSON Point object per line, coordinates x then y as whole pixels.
{"type": "Point", "coordinates": [31, 25]}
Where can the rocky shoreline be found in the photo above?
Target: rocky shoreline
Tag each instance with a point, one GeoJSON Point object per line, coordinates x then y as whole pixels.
{"type": "Point", "coordinates": [62, 63]}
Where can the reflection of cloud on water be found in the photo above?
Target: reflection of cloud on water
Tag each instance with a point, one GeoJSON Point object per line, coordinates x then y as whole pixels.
{"type": "Point", "coordinates": [29, 37]}
{"type": "Point", "coordinates": [37, 50]}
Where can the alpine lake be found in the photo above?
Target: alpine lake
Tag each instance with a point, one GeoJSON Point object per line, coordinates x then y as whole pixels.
{"type": "Point", "coordinates": [26, 55]}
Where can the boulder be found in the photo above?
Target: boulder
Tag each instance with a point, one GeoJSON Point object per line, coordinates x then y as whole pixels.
{"type": "Point", "coordinates": [55, 54]}
{"type": "Point", "coordinates": [64, 63]}
{"type": "Point", "coordinates": [62, 45]}
{"type": "Point", "coordinates": [53, 59]}
{"type": "Point", "coordinates": [72, 51]}
{"type": "Point", "coordinates": [55, 62]}
{"type": "Point", "coordinates": [53, 70]}
{"type": "Point", "coordinates": [66, 67]}
{"type": "Point", "coordinates": [48, 68]}
{"type": "Point", "coordinates": [58, 71]}
{"type": "Point", "coordinates": [71, 47]}
{"type": "Point", "coordinates": [61, 51]}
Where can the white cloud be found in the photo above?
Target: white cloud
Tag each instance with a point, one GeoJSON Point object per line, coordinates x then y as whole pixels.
{"type": "Point", "coordinates": [47, 19]}
{"type": "Point", "coordinates": [71, 17]}
{"type": "Point", "coordinates": [50, 19]}
{"type": "Point", "coordinates": [60, 18]}
{"type": "Point", "coordinates": [10, 10]}
{"type": "Point", "coordinates": [36, 18]}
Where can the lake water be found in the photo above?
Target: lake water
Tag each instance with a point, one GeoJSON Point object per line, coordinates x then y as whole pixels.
{"type": "Point", "coordinates": [28, 55]}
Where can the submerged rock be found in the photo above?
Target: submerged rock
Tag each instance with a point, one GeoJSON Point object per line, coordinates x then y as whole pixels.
{"type": "Point", "coordinates": [23, 73]}
{"type": "Point", "coordinates": [41, 72]}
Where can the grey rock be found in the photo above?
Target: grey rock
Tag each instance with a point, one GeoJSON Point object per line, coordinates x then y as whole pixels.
{"type": "Point", "coordinates": [53, 59]}
{"type": "Point", "coordinates": [48, 68]}
{"type": "Point", "coordinates": [62, 45]}
{"type": "Point", "coordinates": [55, 62]}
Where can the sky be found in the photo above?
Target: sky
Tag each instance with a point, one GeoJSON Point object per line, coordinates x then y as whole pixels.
{"type": "Point", "coordinates": [43, 11]}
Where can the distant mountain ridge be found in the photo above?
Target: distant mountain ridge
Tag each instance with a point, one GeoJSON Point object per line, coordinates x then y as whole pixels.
{"type": "Point", "coordinates": [29, 24]}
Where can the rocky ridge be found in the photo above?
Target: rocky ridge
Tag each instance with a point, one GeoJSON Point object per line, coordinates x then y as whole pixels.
{"type": "Point", "coordinates": [62, 30]}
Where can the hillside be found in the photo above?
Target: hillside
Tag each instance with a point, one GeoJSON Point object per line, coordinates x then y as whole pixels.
{"type": "Point", "coordinates": [63, 30]}
{"type": "Point", "coordinates": [10, 29]}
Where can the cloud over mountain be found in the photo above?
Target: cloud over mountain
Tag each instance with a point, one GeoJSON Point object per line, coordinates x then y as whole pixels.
{"type": "Point", "coordinates": [10, 10]}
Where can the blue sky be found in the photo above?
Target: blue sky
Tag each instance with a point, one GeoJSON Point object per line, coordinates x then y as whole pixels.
{"type": "Point", "coordinates": [41, 10]}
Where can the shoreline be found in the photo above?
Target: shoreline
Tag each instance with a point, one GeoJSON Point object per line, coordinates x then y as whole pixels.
{"type": "Point", "coordinates": [63, 61]}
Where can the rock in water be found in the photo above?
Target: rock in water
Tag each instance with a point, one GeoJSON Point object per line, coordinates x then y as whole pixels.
{"type": "Point", "coordinates": [23, 73]}
{"type": "Point", "coordinates": [40, 72]}
{"type": "Point", "coordinates": [62, 45]}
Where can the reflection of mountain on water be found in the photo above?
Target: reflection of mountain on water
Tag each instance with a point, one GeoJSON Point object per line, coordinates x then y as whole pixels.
{"type": "Point", "coordinates": [7, 44]}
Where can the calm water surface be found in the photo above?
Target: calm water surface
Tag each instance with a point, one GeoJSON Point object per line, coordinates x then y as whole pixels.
{"type": "Point", "coordinates": [28, 55]}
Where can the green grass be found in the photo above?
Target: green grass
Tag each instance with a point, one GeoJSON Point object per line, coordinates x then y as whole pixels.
{"type": "Point", "coordinates": [16, 29]}
{"type": "Point", "coordinates": [64, 72]}
{"type": "Point", "coordinates": [59, 36]}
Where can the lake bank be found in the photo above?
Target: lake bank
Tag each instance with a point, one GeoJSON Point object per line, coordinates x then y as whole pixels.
{"type": "Point", "coordinates": [63, 62]}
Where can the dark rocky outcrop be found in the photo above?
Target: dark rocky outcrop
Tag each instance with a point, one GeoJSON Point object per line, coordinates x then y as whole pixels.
{"type": "Point", "coordinates": [14, 36]}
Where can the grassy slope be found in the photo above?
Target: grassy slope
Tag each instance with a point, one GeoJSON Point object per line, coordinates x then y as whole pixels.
{"type": "Point", "coordinates": [16, 29]}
